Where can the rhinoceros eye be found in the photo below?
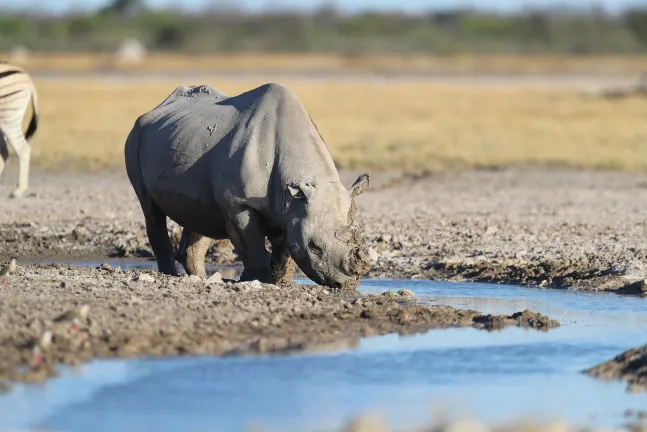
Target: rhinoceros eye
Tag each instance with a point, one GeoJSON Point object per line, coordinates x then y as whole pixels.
{"type": "Point", "coordinates": [314, 248]}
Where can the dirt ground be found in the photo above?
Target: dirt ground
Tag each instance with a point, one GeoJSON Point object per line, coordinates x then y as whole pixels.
{"type": "Point", "coordinates": [61, 314]}
{"type": "Point", "coordinates": [548, 227]}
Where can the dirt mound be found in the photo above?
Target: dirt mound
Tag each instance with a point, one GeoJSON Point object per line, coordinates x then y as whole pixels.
{"type": "Point", "coordinates": [630, 366]}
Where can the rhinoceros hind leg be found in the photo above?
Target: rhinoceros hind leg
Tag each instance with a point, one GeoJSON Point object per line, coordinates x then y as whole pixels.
{"type": "Point", "coordinates": [192, 251]}
{"type": "Point", "coordinates": [158, 237]}
{"type": "Point", "coordinates": [282, 266]}
{"type": "Point", "coordinates": [246, 230]}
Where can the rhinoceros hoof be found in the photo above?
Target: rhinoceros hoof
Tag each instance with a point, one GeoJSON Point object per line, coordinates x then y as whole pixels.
{"type": "Point", "coordinates": [259, 275]}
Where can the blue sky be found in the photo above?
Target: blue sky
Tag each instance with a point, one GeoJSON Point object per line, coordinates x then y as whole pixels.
{"type": "Point", "coordinates": [351, 5]}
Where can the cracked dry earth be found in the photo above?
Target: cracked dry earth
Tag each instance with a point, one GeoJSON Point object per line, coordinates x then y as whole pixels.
{"type": "Point", "coordinates": [547, 227]}
{"type": "Point", "coordinates": [133, 313]}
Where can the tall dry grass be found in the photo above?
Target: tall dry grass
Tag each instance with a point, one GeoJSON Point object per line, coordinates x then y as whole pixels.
{"type": "Point", "coordinates": [394, 126]}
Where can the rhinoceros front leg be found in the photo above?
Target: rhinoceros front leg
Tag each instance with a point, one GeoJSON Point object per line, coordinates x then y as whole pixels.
{"type": "Point", "coordinates": [282, 266]}
{"type": "Point", "coordinates": [192, 251]}
{"type": "Point", "coordinates": [246, 230]}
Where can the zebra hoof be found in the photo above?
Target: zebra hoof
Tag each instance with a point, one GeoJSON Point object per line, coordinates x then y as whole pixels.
{"type": "Point", "coordinates": [17, 194]}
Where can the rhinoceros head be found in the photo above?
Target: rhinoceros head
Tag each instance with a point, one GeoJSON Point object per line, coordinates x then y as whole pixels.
{"type": "Point", "coordinates": [322, 235]}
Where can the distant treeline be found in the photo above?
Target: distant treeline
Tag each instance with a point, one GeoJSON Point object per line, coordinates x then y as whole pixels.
{"type": "Point", "coordinates": [589, 31]}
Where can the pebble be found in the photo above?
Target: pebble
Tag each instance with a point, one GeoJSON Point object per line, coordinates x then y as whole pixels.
{"type": "Point", "coordinates": [491, 230]}
{"type": "Point", "coordinates": [406, 293]}
{"type": "Point", "coordinates": [145, 278]}
{"type": "Point", "coordinates": [215, 278]}
{"type": "Point", "coordinates": [194, 279]}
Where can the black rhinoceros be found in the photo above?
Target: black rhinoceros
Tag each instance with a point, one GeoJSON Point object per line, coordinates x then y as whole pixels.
{"type": "Point", "coordinates": [246, 168]}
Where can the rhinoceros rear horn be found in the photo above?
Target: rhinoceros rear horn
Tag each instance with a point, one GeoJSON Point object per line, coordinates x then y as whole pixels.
{"type": "Point", "coordinates": [360, 184]}
{"type": "Point", "coordinates": [361, 260]}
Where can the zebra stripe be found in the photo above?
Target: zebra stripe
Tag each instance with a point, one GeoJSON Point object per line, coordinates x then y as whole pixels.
{"type": "Point", "coordinates": [16, 92]}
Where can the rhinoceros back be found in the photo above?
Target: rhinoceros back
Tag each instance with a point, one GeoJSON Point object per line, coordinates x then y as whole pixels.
{"type": "Point", "coordinates": [177, 153]}
{"type": "Point", "coordinates": [202, 146]}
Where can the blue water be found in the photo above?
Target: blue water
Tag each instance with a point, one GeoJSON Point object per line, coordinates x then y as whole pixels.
{"type": "Point", "coordinates": [494, 376]}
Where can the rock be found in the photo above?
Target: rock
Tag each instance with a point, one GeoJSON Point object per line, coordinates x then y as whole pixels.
{"type": "Point", "coordinates": [405, 293]}
{"type": "Point", "coordinates": [143, 277]}
{"type": "Point", "coordinates": [491, 230]}
{"type": "Point", "coordinates": [105, 266]}
{"type": "Point", "coordinates": [634, 288]}
{"type": "Point", "coordinates": [630, 367]}
{"type": "Point", "coordinates": [215, 278]}
{"type": "Point", "coordinates": [194, 279]}
{"type": "Point", "coordinates": [254, 284]}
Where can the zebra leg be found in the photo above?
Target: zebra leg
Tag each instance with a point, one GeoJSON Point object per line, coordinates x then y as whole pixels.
{"type": "Point", "coordinates": [4, 153]}
{"type": "Point", "coordinates": [17, 141]}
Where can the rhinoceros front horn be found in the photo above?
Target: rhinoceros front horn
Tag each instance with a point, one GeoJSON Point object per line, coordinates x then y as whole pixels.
{"type": "Point", "coordinates": [360, 184]}
{"type": "Point", "coordinates": [361, 260]}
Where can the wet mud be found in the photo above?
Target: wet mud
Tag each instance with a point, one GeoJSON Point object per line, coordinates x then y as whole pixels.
{"type": "Point", "coordinates": [630, 367]}
{"type": "Point", "coordinates": [62, 314]}
{"type": "Point", "coordinates": [545, 227]}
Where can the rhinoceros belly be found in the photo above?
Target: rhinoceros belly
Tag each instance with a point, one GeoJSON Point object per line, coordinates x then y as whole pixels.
{"type": "Point", "coordinates": [195, 215]}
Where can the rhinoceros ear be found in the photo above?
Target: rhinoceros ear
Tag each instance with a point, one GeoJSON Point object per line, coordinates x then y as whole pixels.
{"type": "Point", "coordinates": [360, 184]}
{"type": "Point", "coordinates": [301, 191]}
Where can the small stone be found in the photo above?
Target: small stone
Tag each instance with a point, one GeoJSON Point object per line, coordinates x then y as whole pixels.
{"type": "Point", "coordinates": [406, 293]}
{"type": "Point", "coordinates": [491, 230]}
{"type": "Point", "coordinates": [145, 278]}
{"type": "Point", "coordinates": [389, 294]}
{"type": "Point", "coordinates": [251, 284]}
{"type": "Point", "coordinates": [194, 279]}
{"type": "Point", "coordinates": [215, 278]}
{"type": "Point", "coordinates": [543, 283]}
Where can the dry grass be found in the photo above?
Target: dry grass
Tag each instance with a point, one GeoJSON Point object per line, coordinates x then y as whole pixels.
{"type": "Point", "coordinates": [411, 127]}
{"type": "Point", "coordinates": [465, 63]}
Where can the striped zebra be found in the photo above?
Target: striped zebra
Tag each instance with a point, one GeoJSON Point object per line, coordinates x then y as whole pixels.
{"type": "Point", "coordinates": [16, 91]}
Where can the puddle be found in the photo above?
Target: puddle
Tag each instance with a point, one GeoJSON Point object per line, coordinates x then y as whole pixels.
{"type": "Point", "coordinates": [494, 376]}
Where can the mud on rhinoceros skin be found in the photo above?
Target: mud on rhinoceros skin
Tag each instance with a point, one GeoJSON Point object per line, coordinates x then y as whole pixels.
{"type": "Point", "coordinates": [192, 249]}
{"type": "Point", "coordinates": [246, 168]}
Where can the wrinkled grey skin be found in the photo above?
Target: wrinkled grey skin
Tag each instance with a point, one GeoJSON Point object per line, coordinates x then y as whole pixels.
{"type": "Point", "coordinates": [247, 168]}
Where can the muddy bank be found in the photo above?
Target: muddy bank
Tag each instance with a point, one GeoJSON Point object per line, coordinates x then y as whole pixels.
{"type": "Point", "coordinates": [630, 367]}
{"type": "Point", "coordinates": [548, 227]}
{"type": "Point", "coordinates": [53, 314]}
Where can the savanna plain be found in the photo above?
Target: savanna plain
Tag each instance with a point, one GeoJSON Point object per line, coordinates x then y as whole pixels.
{"type": "Point", "coordinates": [531, 184]}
